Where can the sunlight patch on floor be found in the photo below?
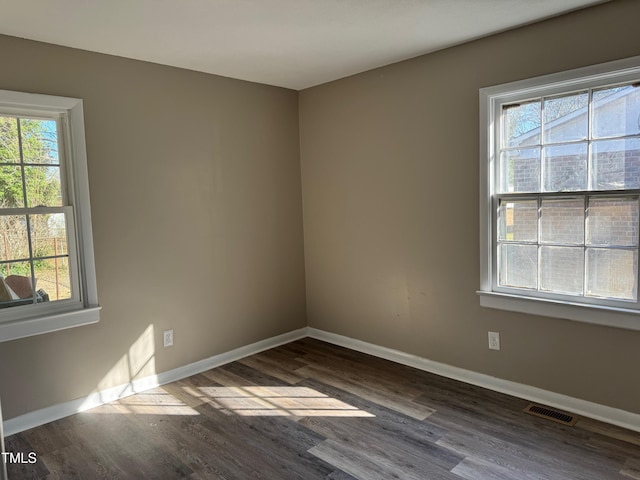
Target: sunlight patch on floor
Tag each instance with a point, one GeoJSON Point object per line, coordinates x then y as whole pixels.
{"type": "Point", "coordinates": [277, 401]}
{"type": "Point", "coordinates": [152, 402]}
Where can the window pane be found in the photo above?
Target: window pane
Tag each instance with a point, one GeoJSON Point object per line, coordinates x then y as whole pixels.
{"type": "Point", "coordinates": [53, 278]}
{"type": "Point", "coordinates": [565, 167]}
{"type": "Point", "coordinates": [520, 170]}
{"type": "Point", "coordinates": [562, 221]}
{"type": "Point", "coordinates": [39, 141]}
{"type": "Point", "coordinates": [43, 186]}
{"type": "Point", "coordinates": [15, 268]}
{"type": "Point", "coordinates": [15, 285]}
{"type": "Point", "coordinates": [49, 235]}
{"type": "Point", "coordinates": [612, 273]}
{"type": "Point", "coordinates": [21, 286]}
{"type": "Point", "coordinates": [616, 111]}
{"type": "Point", "coordinates": [521, 124]}
{"type": "Point", "coordinates": [616, 164]}
{"type": "Point", "coordinates": [518, 266]}
{"type": "Point", "coordinates": [518, 221]}
{"type": "Point", "coordinates": [612, 221]}
{"type": "Point", "coordinates": [565, 118]}
{"type": "Point", "coordinates": [562, 269]}
{"type": "Point", "coordinates": [14, 243]}
{"type": "Point", "coordinates": [49, 239]}
{"type": "Point", "coordinates": [9, 145]}
{"type": "Point", "coordinates": [11, 194]}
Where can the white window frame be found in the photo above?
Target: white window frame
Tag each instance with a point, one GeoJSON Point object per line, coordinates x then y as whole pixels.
{"type": "Point", "coordinates": [491, 98]}
{"type": "Point", "coordinates": [83, 309]}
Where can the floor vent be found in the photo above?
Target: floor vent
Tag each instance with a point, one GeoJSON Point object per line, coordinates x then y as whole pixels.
{"type": "Point", "coordinates": [551, 414]}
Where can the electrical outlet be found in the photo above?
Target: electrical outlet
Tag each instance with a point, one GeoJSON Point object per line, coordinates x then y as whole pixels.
{"type": "Point", "coordinates": [494, 341]}
{"type": "Point", "coordinates": [168, 338]}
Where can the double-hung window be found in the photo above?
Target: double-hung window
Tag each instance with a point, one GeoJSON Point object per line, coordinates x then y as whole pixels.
{"type": "Point", "coordinates": [560, 195]}
{"type": "Point", "coordinates": [47, 274]}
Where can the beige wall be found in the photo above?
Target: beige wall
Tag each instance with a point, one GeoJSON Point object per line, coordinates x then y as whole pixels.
{"type": "Point", "coordinates": [390, 194]}
{"type": "Point", "coordinates": [196, 203]}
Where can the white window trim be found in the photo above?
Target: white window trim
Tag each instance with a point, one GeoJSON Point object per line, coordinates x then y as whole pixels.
{"type": "Point", "coordinates": [616, 71]}
{"type": "Point", "coordinates": [88, 311]}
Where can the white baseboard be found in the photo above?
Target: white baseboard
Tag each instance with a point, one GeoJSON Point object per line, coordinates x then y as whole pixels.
{"type": "Point", "coordinates": [584, 408]}
{"type": "Point", "coordinates": [580, 407]}
{"type": "Point", "coordinates": [55, 412]}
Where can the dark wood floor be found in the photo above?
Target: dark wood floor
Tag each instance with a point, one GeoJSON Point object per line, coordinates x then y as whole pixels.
{"type": "Point", "coordinates": [310, 410]}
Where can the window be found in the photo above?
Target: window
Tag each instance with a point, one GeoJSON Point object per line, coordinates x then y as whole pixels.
{"type": "Point", "coordinates": [47, 274]}
{"type": "Point", "coordinates": [560, 195]}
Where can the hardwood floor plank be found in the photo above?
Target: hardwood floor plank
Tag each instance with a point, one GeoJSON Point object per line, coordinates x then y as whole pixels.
{"type": "Point", "coordinates": [282, 356]}
{"type": "Point", "coordinates": [397, 426]}
{"type": "Point", "coordinates": [531, 462]}
{"type": "Point", "coordinates": [493, 450]}
{"type": "Point", "coordinates": [113, 437]}
{"type": "Point", "coordinates": [198, 476]}
{"type": "Point", "coordinates": [340, 475]}
{"type": "Point", "coordinates": [472, 468]}
{"type": "Point", "coordinates": [174, 434]}
{"type": "Point", "coordinates": [188, 390]}
{"type": "Point", "coordinates": [18, 444]}
{"type": "Point", "coordinates": [47, 438]}
{"type": "Point", "coordinates": [367, 465]}
{"type": "Point", "coordinates": [631, 469]}
{"type": "Point", "coordinates": [63, 464]}
{"type": "Point", "coordinates": [610, 431]}
{"type": "Point", "coordinates": [237, 374]}
{"type": "Point", "coordinates": [360, 436]}
{"type": "Point", "coordinates": [386, 375]}
{"type": "Point", "coordinates": [274, 369]}
{"type": "Point", "coordinates": [356, 385]}
{"type": "Point", "coordinates": [527, 433]}
{"type": "Point", "coordinates": [387, 434]}
{"type": "Point", "coordinates": [277, 447]}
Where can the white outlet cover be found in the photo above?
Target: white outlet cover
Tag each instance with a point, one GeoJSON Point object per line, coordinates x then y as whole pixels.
{"type": "Point", "coordinates": [168, 338]}
{"type": "Point", "coordinates": [494, 340]}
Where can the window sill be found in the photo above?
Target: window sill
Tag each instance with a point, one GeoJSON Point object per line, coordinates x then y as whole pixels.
{"type": "Point", "coordinates": [48, 323]}
{"type": "Point", "coordinates": [595, 314]}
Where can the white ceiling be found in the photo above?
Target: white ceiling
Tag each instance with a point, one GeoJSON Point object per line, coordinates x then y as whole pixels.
{"type": "Point", "coordinates": [288, 43]}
